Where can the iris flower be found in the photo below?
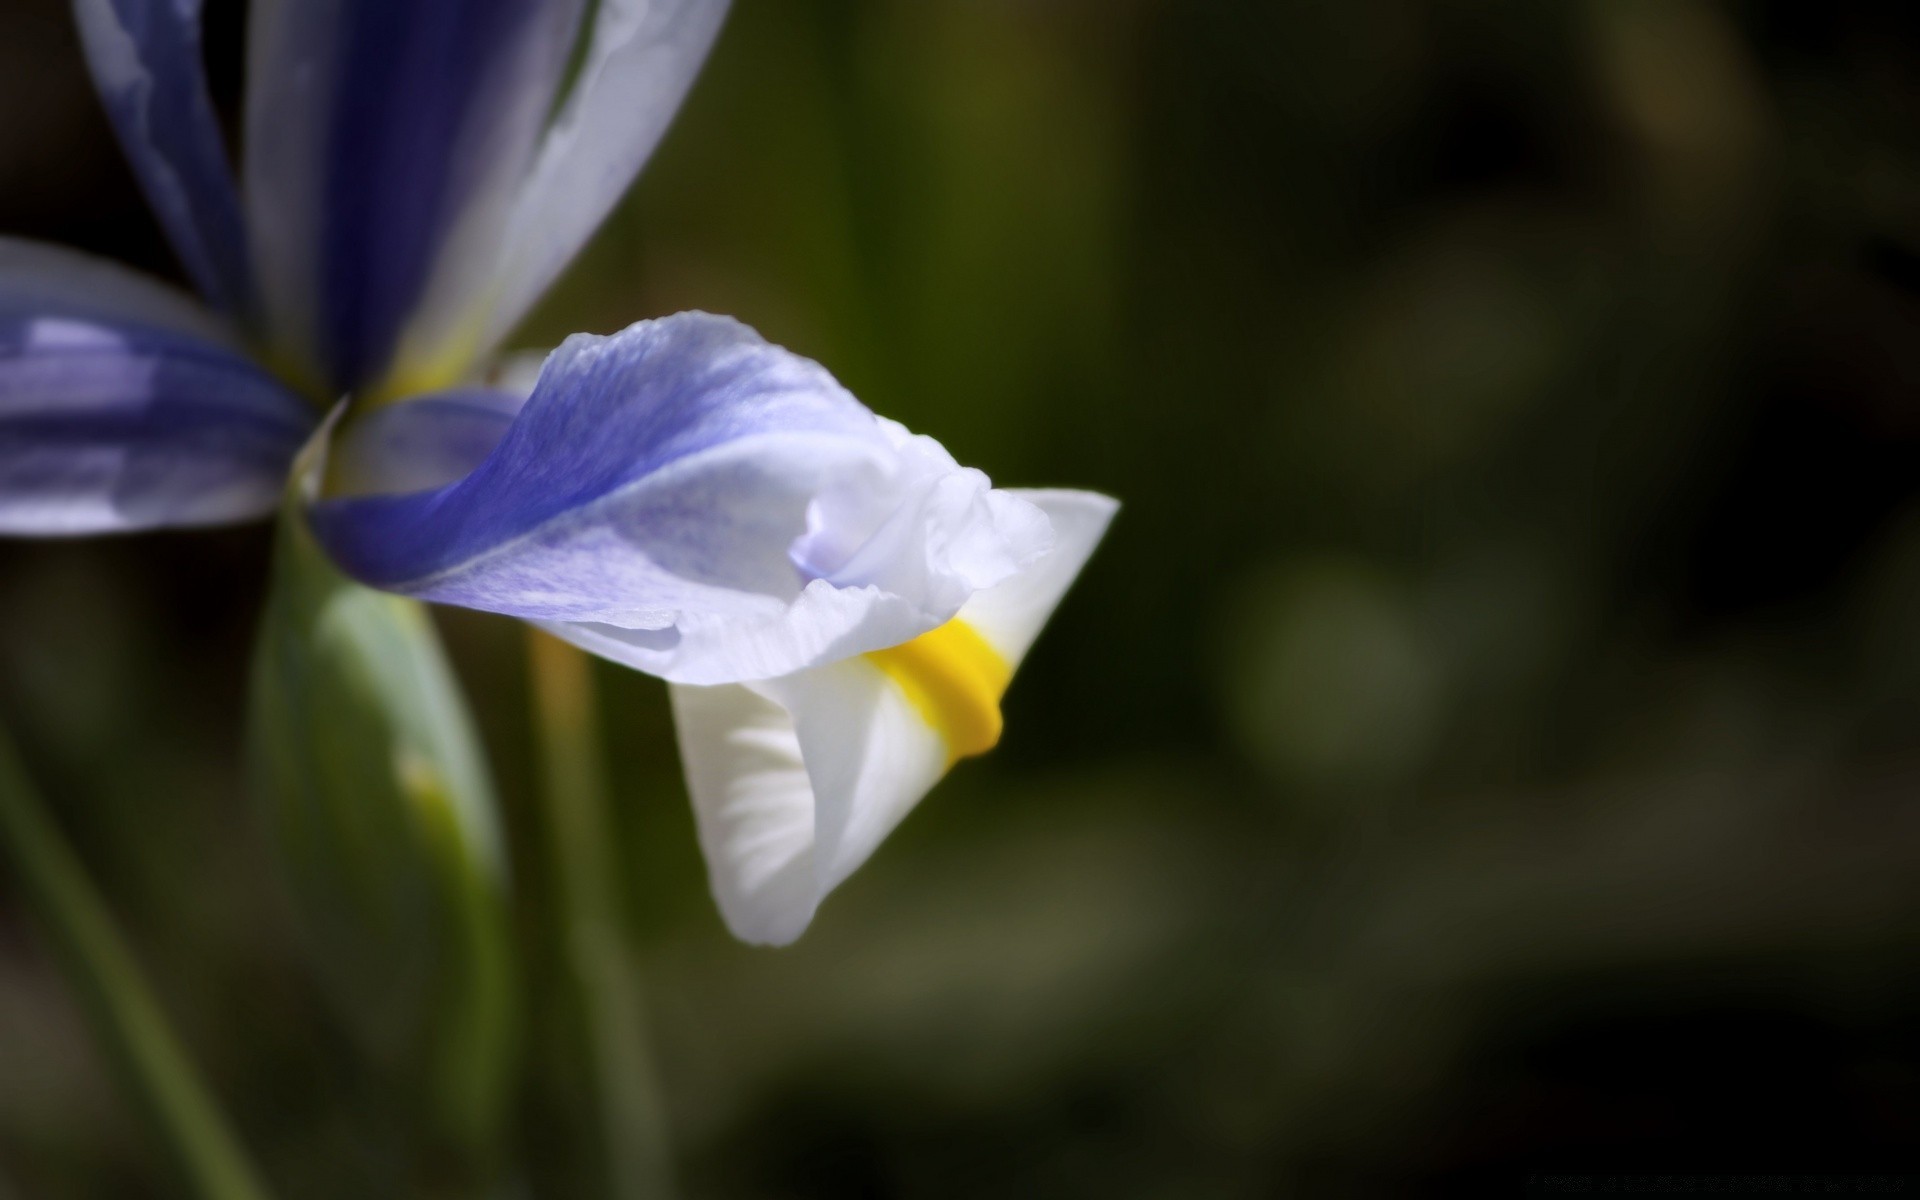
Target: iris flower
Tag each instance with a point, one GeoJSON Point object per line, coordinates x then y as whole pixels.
{"type": "Point", "coordinates": [837, 605]}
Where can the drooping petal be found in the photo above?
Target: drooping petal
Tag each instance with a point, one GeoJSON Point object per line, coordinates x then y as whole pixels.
{"type": "Point", "coordinates": [124, 405]}
{"type": "Point", "coordinates": [374, 129]}
{"type": "Point", "coordinates": [146, 63]}
{"type": "Point", "coordinates": [796, 781]}
{"type": "Point", "coordinates": [754, 808]}
{"type": "Point", "coordinates": [658, 500]}
{"type": "Point", "coordinates": [642, 57]}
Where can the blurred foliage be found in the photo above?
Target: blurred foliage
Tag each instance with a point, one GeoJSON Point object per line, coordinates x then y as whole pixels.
{"type": "Point", "coordinates": [1487, 739]}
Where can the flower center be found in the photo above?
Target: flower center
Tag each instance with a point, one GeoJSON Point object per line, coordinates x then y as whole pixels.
{"type": "Point", "coordinates": [955, 680]}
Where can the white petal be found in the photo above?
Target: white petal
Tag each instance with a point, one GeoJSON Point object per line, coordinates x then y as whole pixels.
{"type": "Point", "coordinates": [871, 757]}
{"type": "Point", "coordinates": [795, 781]}
{"type": "Point", "coordinates": [755, 765]}
{"type": "Point", "coordinates": [753, 806]}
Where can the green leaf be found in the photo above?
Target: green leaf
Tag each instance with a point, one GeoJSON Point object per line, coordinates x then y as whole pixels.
{"type": "Point", "coordinates": [384, 820]}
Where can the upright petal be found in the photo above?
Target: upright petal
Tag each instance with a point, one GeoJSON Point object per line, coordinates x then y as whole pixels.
{"type": "Point", "coordinates": [642, 57]}
{"type": "Point", "coordinates": [690, 500]}
{"type": "Point", "coordinates": [374, 129]}
{"type": "Point", "coordinates": [124, 405]}
{"type": "Point", "coordinates": [146, 63]}
{"type": "Point", "coordinates": [795, 781]}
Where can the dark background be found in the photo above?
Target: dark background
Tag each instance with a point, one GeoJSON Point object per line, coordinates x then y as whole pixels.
{"type": "Point", "coordinates": [1486, 743]}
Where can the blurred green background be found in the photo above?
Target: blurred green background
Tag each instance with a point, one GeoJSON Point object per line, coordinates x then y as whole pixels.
{"type": "Point", "coordinates": [1486, 742]}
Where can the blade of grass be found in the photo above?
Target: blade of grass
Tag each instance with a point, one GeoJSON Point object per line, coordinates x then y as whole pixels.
{"type": "Point", "coordinates": [122, 1008]}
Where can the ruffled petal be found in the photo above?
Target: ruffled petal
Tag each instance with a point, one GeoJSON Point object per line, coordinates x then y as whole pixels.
{"type": "Point", "coordinates": [655, 498]}
{"type": "Point", "coordinates": [641, 58]}
{"type": "Point", "coordinates": [1011, 615]}
{"type": "Point", "coordinates": [146, 64]}
{"type": "Point", "coordinates": [795, 781]}
{"type": "Point", "coordinates": [374, 129]}
{"type": "Point", "coordinates": [124, 405]}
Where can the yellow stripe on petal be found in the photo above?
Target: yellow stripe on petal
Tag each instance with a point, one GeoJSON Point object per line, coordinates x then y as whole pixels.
{"type": "Point", "coordinates": [417, 377]}
{"type": "Point", "coordinates": [442, 366]}
{"type": "Point", "coordinates": [954, 679]}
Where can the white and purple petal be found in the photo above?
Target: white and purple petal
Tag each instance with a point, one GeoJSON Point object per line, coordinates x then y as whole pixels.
{"type": "Point", "coordinates": [373, 130]}
{"type": "Point", "coordinates": [146, 64]}
{"type": "Point", "coordinates": [124, 405]}
{"type": "Point", "coordinates": [692, 501]}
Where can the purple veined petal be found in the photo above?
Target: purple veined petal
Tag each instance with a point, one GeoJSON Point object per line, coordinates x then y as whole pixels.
{"type": "Point", "coordinates": [654, 498]}
{"type": "Point", "coordinates": [146, 64]}
{"type": "Point", "coordinates": [124, 405]}
{"type": "Point", "coordinates": [642, 57]}
{"type": "Point", "coordinates": [634, 474]}
{"type": "Point", "coordinates": [373, 129]}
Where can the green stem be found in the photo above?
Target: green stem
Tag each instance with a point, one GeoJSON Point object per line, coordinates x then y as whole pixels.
{"type": "Point", "coordinates": [633, 1118]}
{"type": "Point", "coordinates": [124, 1012]}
